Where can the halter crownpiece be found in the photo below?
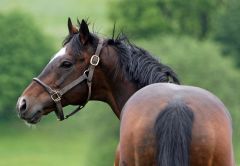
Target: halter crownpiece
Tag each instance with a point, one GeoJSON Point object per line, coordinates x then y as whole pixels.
{"type": "Point", "coordinates": [56, 95]}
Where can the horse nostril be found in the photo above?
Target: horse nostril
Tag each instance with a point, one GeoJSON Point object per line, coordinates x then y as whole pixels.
{"type": "Point", "coordinates": [23, 105]}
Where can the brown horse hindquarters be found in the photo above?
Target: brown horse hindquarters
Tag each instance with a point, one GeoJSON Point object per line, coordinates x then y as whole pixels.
{"type": "Point", "coordinates": [211, 143]}
{"type": "Point", "coordinates": [211, 134]}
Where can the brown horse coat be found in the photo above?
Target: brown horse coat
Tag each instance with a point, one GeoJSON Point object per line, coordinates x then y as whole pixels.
{"type": "Point", "coordinates": [211, 143]}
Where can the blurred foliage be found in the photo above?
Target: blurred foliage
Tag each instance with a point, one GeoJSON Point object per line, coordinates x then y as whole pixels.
{"type": "Point", "coordinates": [23, 49]}
{"type": "Point", "coordinates": [201, 19]}
{"type": "Point", "coordinates": [146, 18]}
{"type": "Point", "coordinates": [227, 30]}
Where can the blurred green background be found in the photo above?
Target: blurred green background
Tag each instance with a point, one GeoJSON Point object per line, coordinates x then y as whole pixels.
{"type": "Point", "coordinates": [200, 39]}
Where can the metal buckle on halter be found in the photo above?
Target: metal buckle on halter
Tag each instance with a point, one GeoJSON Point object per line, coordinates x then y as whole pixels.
{"type": "Point", "coordinates": [56, 96]}
{"type": "Point", "coordinates": [94, 60]}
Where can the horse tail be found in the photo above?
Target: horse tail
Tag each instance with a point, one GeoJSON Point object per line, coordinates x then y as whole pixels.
{"type": "Point", "coordinates": [173, 129]}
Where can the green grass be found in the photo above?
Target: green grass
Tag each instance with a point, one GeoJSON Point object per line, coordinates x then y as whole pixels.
{"type": "Point", "coordinates": [43, 147]}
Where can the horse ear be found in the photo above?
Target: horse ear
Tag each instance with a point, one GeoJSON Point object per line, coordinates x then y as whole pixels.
{"type": "Point", "coordinates": [84, 32]}
{"type": "Point", "coordinates": [71, 28]}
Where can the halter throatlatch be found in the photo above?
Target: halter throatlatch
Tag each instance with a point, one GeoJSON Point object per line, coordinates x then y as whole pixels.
{"type": "Point", "coordinates": [56, 95]}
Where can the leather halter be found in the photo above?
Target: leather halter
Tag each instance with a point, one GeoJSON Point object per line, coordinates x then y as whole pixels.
{"type": "Point", "coordinates": [56, 94]}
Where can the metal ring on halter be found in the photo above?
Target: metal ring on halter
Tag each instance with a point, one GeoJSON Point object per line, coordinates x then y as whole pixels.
{"type": "Point", "coordinates": [56, 96]}
{"type": "Point", "coordinates": [94, 60]}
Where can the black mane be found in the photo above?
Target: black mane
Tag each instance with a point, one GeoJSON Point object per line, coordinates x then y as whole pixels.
{"type": "Point", "coordinates": [139, 65]}
{"type": "Point", "coordinates": [135, 63]}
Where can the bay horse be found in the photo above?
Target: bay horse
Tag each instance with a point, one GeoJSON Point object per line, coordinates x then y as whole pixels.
{"type": "Point", "coordinates": [162, 123]}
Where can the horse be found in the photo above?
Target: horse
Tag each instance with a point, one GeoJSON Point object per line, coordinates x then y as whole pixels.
{"type": "Point", "coordinates": [162, 123]}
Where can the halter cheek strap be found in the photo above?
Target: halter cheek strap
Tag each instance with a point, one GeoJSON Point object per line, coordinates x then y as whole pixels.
{"type": "Point", "coordinates": [56, 95]}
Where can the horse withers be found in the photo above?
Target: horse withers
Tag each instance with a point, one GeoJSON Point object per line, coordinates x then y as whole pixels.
{"type": "Point", "coordinates": [161, 123]}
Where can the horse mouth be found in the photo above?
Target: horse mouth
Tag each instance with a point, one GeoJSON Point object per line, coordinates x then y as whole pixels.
{"type": "Point", "coordinates": [35, 118]}
{"type": "Point", "coordinates": [38, 115]}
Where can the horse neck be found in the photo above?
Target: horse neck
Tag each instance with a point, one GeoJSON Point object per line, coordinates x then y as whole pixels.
{"type": "Point", "coordinates": [114, 90]}
{"type": "Point", "coordinates": [121, 91]}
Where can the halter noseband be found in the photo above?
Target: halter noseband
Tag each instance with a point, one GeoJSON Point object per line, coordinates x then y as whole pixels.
{"type": "Point", "coordinates": [56, 95]}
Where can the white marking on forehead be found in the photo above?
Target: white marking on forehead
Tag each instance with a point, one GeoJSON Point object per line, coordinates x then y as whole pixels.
{"type": "Point", "coordinates": [61, 52]}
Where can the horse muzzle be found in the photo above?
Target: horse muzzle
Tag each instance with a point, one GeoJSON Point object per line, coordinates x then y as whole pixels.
{"type": "Point", "coordinates": [30, 113]}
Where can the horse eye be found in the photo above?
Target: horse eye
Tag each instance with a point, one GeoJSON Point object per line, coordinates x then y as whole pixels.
{"type": "Point", "coordinates": [66, 64]}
